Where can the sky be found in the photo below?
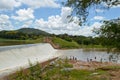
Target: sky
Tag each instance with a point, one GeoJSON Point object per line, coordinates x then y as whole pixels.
{"type": "Point", "coordinates": [50, 16]}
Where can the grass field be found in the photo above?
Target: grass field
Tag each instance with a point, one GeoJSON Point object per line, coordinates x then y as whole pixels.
{"type": "Point", "coordinates": [7, 42]}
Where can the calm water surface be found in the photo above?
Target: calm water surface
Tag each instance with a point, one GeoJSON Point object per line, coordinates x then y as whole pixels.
{"type": "Point", "coordinates": [83, 55]}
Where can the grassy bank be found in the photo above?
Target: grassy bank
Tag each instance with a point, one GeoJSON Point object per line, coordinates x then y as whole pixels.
{"type": "Point", "coordinates": [65, 44]}
{"type": "Point", "coordinates": [7, 42]}
{"type": "Point", "coordinates": [63, 70]}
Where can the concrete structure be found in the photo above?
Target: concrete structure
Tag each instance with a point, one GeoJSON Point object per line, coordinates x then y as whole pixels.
{"type": "Point", "coordinates": [14, 57]}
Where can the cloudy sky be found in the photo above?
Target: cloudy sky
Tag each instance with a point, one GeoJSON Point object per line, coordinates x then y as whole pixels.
{"type": "Point", "coordinates": [50, 16]}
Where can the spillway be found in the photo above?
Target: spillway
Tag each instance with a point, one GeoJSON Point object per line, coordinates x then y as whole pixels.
{"type": "Point", "coordinates": [14, 57]}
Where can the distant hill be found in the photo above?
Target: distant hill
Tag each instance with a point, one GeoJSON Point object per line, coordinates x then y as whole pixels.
{"type": "Point", "coordinates": [32, 31]}
{"type": "Point", "coordinates": [23, 34]}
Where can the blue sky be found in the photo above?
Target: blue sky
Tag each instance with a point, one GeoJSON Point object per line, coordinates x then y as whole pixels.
{"type": "Point", "coordinates": [50, 16]}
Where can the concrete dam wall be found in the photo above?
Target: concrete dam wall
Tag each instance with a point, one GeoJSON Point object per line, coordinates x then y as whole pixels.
{"type": "Point", "coordinates": [14, 57]}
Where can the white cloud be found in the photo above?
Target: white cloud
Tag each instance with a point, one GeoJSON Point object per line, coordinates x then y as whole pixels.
{"type": "Point", "coordinates": [27, 24]}
{"type": "Point", "coordinates": [5, 23]}
{"type": "Point", "coordinates": [65, 12]}
{"type": "Point", "coordinates": [99, 18]}
{"type": "Point", "coordinates": [112, 6]}
{"type": "Point", "coordinates": [60, 25]}
{"type": "Point", "coordinates": [24, 14]}
{"type": "Point", "coordinates": [99, 10]}
{"type": "Point", "coordinates": [40, 3]}
{"type": "Point", "coordinates": [88, 30]}
{"type": "Point", "coordinates": [9, 4]}
{"type": "Point", "coordinates": [117, 6]}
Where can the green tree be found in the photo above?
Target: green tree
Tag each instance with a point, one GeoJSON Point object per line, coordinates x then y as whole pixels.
{"type": "Point", "coordinates": [110, 33]}
{"type": "Point", "coordinates": [81, 7]}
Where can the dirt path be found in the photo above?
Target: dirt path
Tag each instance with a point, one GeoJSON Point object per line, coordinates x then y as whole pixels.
{"type": "Point", "coordinates": [49, 40]}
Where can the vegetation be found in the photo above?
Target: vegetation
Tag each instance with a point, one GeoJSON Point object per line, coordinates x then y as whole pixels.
{"type": "Point", "coordinates": [23, 34]}
{"type": "Point", "coordinates": [109, 37]}
{"type": "Point", "coordinates": [30, 35]}
{"type": "Point", "coordinates": [65, 44]}
{"type": "Point", "coordinates": [62, 70]}
{"type": "Point", "coordinates": [6, 42]}
{"type": "Point", "coordinates": [81, 7]}
{"type": "Point", "coordinates": [109, 33]}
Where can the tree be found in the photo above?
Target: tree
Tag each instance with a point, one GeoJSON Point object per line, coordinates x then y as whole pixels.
{"type": "Point", "coordinates": [81, 7]}
{"type": "Point", "coordinates": [110, 33]}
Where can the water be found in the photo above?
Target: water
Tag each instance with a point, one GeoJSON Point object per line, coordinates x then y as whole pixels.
{"type": "Point", "coordinates": [14, 57]}
{"type": "Point", "coordinates": [101, 56]}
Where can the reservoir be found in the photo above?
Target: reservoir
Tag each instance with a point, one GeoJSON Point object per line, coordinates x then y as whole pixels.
{"type": "Point", "coordinates": [13, 58]}
{"type": "Point", "coordinates": [81, 54]}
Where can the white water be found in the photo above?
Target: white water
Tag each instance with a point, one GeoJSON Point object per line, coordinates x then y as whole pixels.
{"type": "Point", "coordinates": [14, 57]}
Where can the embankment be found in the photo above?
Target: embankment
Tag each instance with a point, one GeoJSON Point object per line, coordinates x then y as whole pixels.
{"type": "Point", "coordinates": [14, 57]}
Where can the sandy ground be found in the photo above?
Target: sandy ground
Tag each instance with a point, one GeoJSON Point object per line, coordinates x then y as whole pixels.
{"type": "Point", "coordinates": [112, 74]}
{"type": "Point", "coordinates": [92, 65]}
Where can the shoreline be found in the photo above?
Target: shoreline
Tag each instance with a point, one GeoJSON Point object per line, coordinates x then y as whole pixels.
{"type": "Point", "coordinates": [91, 65]}
{"type": "Point", "coordinates": [77, 65]}
{"type": "Point", "coordinates": [42, 64]}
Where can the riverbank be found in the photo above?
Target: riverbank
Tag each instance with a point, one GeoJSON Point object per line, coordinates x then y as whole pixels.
{"type": "Point", "coordinates": [57, 43]}
{"type": "Point", "coordinates": [63, 69]}
{"type": "Point", "coordinates": [42, 64]}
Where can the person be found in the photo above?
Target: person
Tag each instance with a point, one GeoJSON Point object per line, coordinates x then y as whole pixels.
{"type": "Point", "coordinates": [87, 60]}
{"type": "Point", "coordinates": [101, 60]}
{"type": "Point", "coordinates": [70, 58]}
{"type": "Point", "coordinates": [75, 58]}
{"type": "Point", "coordinates": [90, 59]}
{"type": "Point", "coordinates": [95, 57]}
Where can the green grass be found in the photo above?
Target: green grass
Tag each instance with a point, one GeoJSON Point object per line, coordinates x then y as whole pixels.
{"type": "Point", "coordinates": [57, 71]}
{"type": "Point", "coordinates": [92, 46]}
{"type": "Point", "coordinates": [7, 42]}
{"type": "Point", "coordinates": [110, 68]}
{"type": "Point", "coordinates": [58, 41]}
{"type": "Point", "coordinates": [65, 44]}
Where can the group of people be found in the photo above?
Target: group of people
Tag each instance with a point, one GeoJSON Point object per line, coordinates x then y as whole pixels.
{"type": "Point", "coordinates": [88, 60]}
{"type": "Point", "coordinates": [73, 58]}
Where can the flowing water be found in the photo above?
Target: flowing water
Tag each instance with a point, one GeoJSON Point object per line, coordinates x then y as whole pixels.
{"type": "Point", "coordinates": [14, 57]}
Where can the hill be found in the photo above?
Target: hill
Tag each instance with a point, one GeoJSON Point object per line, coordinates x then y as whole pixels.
{"type": "Point", "coordinates": [32, 31]}
{"type": "Point", "coordinates": [23, 34]}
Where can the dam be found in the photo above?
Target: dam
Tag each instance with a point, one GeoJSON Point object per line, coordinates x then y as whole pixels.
{"type": "Point", "coordinates": [13, 58]}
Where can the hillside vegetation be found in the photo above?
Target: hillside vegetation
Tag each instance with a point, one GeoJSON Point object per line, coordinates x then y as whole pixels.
{"type": "Point", "coordinates": [31, 36]}
{"type": "Point", "coordinates": [65, 44]}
